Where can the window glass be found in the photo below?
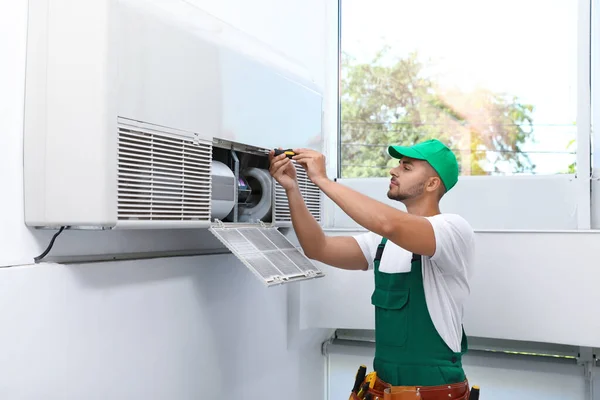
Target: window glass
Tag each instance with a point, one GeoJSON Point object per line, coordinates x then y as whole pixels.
{"type": "Point", "coordinates": [495, 80]}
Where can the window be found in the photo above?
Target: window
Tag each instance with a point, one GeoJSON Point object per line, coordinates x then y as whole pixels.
{"type": "Point", "coordinates": [496, 80]}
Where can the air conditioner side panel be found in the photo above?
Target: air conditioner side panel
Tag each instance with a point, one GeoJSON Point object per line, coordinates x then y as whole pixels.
{"type": "Point", "coordinates": [34, 143]}
{"type": "Point", "coordinates": [70, 115]}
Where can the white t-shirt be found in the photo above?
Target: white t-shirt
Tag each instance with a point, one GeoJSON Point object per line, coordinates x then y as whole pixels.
{"type": "Point", "coordinates": [445, 275]}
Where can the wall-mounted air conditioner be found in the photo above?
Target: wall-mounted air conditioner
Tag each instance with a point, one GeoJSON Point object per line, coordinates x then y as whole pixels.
{"type": "Point", "coordinates": [153, 114]}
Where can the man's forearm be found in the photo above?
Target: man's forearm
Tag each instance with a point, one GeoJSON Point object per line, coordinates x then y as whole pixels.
{"type": "Point", "coordinates": [411, 232]}
{"type": "Point", "coordinates": [369, 213]}
{"type": "Point", "coordinates": [307, 229]}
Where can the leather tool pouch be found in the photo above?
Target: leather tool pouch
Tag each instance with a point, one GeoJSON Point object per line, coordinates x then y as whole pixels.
{"type": "Point", "coordinates": [401, 393]}
{"type": "Point", "coordinates": [409, 393]}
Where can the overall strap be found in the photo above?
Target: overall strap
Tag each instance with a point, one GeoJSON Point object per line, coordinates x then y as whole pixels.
{"type": "Point", "coordinates": [381, 247]}
{"type": "Point", "coordinates": [379, 252]}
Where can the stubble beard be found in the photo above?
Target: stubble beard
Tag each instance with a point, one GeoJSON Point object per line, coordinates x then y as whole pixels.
{"type": "Point", "coordinates": [408, 194]}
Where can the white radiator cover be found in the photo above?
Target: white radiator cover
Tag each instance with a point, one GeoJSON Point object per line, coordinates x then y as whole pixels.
{"type": "Point", "coordinates": [124, 100]}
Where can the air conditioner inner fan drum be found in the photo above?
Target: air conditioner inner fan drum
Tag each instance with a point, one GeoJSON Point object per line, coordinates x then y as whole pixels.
{"type": "Point", "coordinates": [223, 190]}
{"type": "Point", "coordinates": [259, 203]}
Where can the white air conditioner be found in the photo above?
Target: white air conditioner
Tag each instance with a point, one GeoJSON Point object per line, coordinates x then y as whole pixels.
{"type": "Point", "coordinates": [153, 114]}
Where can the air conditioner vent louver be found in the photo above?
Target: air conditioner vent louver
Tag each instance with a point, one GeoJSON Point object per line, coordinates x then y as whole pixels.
{"type": "Point", "coordinates": [282, 208]}
{"type": "Point", "coordinates": [162, 177]}
{"type": "Point", "coordinates": [310, 193]}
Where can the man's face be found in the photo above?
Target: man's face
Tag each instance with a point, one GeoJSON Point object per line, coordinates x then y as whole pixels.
{"type": "Point", "coordinates": [408, 179]}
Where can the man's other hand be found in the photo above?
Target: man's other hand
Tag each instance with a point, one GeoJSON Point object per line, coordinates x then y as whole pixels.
{"type": "Point", "coordinates": [282, 170]}
{"type": "Point", "coordinates": [313, 162]}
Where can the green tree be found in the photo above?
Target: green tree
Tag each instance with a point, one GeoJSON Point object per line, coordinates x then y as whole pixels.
{"type": "Point", "coordinates": [393, 101]}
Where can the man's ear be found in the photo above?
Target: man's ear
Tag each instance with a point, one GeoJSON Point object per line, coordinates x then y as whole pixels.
{"type": "Point", "coordinates": [433, 184]}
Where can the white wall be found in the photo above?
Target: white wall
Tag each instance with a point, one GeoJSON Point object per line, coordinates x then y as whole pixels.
{"type": "Point", "coordinates": [160, 329]}
{"type": "Point", "coordinates": [176, 328]}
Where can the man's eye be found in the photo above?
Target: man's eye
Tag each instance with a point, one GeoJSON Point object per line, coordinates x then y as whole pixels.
{"type": "Point", "coordinates": [406, 167]}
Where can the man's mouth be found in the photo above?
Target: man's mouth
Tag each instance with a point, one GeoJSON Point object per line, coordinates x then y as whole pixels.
{"type": "Point", "coordinates": [393, 183]}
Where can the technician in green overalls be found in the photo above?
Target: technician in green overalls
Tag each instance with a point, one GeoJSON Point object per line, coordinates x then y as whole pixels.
{"type": "Point", "coordinates": [422, 261]}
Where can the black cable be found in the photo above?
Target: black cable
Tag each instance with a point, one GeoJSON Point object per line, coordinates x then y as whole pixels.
{"type": "Point", "coordinates": [45, 253]}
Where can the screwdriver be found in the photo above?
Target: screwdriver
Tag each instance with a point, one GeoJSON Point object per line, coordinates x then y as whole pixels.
{"type": "Point", "coordinates": [360, 377]}
{"type": "Point", "coordinates": [363, 390]}
{"type": "Point", "coordinates": [288, 152]}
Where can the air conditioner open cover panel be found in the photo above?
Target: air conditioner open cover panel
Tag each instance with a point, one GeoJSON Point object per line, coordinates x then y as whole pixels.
{"type": "Point", "coordinates": [267, 253]}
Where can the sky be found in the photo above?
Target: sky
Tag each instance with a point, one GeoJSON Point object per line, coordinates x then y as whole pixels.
{"type": "Point", "coordinates": [526, 48]}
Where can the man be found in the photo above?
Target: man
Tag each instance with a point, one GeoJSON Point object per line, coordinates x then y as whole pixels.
{"type": "Point", "coordinates": [422, 261]}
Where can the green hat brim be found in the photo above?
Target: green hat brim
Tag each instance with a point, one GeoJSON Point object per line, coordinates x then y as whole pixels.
{"type": "Point", "coordinates": [401, 151]}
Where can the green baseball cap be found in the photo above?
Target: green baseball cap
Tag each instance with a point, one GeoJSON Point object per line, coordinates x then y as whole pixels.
{"type": "Point", "coordinates": [436, 153]}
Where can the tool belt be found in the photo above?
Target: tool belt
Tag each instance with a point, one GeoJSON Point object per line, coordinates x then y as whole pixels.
{"type": "Point", "coordinates": [381, 390]}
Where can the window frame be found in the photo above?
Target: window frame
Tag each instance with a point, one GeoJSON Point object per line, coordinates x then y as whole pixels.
{"type": "Point", "coordinates": [584, 115]}
{"type": "Point", "coordinates": [595, 114]}
{"type": "Point", "coordinates": [595, 87]}
{"type": "Point", "coordinates": [588, 89]}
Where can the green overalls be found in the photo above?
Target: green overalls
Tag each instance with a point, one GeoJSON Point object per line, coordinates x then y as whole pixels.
{"type": "Point", "coordinates": [408, 349]}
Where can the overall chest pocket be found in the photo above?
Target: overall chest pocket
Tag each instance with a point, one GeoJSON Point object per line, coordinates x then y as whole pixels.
{"type": "Point", "coordinates": [391, 316]}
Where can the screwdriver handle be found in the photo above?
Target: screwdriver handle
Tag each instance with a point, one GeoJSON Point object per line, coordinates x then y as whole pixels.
{"type": "Point", "coordinates": [474, 393]}
{"type": "Point", "coordinates": [359, 378]}
{"type": "Point", "coordinates": [289, 152]}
